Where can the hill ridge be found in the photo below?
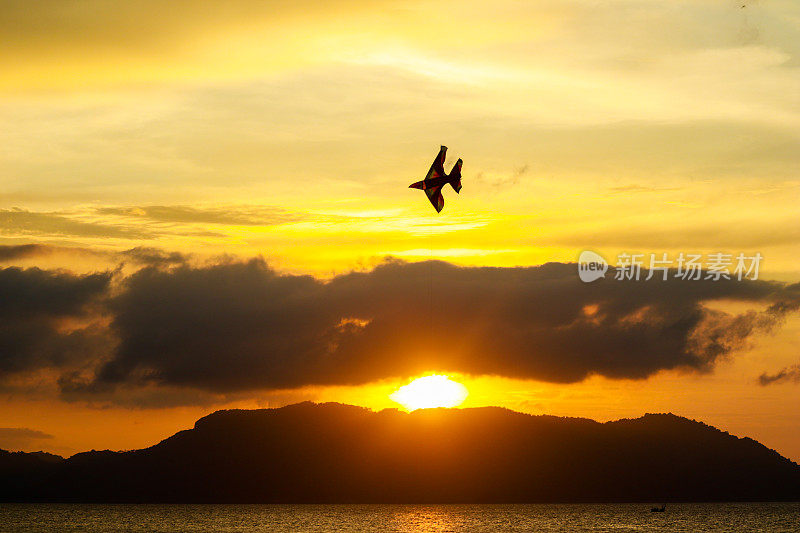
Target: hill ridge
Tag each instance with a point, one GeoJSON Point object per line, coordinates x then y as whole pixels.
{"type": "Point", "coordinates": [335, 452]}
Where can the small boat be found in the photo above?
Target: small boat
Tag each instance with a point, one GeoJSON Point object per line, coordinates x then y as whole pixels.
{"type": "Point", "coordinates": [659, 509]}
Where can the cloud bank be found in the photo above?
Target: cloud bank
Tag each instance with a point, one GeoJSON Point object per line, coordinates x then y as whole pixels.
{"type": "Point", "coordinates": [239, 326]}
{"type": "Point", "coordinates": [45, 319]}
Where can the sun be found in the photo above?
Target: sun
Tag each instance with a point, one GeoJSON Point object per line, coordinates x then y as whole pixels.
{"type": "Point", "coordinates": [430, 391]}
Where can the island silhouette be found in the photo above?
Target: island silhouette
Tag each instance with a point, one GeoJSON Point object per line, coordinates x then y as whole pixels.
{"type": "Point", "coordinates": [340, 453]}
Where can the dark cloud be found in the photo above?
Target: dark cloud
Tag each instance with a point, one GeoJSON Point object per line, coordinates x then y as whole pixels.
{"type": "Point", "coordinates": [140, 255]}
{"type": "Point", "coordinates": [220, 330]}
{"type": "Point", "coordinates": [790, 373]}
{"type": "Point", "coordinates": [17, 438]}
{"type": "Point", "coordinates": [23, 433]}
{"type": "Point", "coordinates": [22, 251]}
{"type": "Point", "coordinates": [78, 387]}
{"type": "Point", "coordinates": [153, 256]}
{"type": "Point", "coordinates": [44, 319]}
{"type": "Point", "coordinates": [240, 325]}
{"type": "Point", "coordinates": [235, 216]}
{"type": "Point", "coordinates": [20, 221]}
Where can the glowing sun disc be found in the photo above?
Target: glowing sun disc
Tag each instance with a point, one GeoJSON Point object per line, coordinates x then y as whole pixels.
{"type": "Point", "coordinates": [430, 391]}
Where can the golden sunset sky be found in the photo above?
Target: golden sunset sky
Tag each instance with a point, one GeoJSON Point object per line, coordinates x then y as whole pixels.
{"type": "Point", "coordinates": [222, 131]}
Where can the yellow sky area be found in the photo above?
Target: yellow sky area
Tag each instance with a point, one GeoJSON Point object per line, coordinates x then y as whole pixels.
{"type": "Point", "coordinates": [531, 222]}
{"type": "Point", "coordinates": [78, 46]}
{"type": "Point", "coordinates": [628, 126]}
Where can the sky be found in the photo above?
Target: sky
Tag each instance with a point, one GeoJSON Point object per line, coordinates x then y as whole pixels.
{"type": "Point", "coordinates": [204, 205]}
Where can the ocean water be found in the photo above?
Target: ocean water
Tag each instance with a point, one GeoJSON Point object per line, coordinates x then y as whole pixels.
{"type": "Point", "coordinates": [756, 517]}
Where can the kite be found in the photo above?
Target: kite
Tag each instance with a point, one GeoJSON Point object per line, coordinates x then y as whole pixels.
{"type": "Point", "coordinates": [436, 179]}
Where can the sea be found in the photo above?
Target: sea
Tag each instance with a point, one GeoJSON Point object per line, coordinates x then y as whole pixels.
{"type": "Point", "coordinates": [689, 517]}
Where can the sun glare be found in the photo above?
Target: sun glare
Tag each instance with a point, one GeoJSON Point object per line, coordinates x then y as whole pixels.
{"type": "Point", "coordinates": [430, 391]}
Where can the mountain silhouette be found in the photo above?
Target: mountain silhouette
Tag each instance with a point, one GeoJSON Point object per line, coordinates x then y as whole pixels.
{"type": "Point", "coordinates": [339, 453]}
